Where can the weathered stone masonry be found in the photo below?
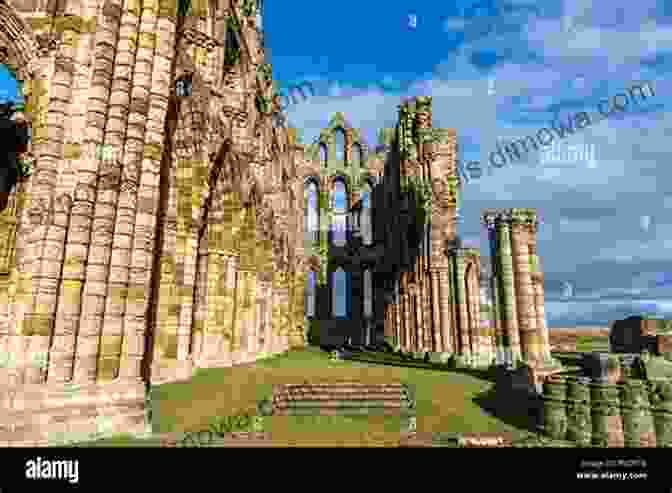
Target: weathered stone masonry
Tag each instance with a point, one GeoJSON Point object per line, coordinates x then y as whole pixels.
{"type": "Point", "coordinates": [161, 232]}
{"type": "Point", "coordinates": [158, 231]}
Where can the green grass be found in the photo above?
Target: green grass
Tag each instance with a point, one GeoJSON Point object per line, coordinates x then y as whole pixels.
{"type": "Point", "coordinates": [445, 401]}
{"type": "Point", "coordinates": [591, 343]}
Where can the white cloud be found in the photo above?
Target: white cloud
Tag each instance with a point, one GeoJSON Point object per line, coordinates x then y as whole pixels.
{"type": "Point", "coordinates": [603, 232]}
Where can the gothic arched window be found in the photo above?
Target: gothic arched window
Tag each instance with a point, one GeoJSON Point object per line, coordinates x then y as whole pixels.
{"type": "Point", "coordinates": [357, 156]}
{"type": "Point", "coordinates": [366, 217]}
{"type": "Point", "coordinates": [368, 294]}
{"type": "Point", "coordinates": [339, 142]}
{"type": "Point", "coordinates": [311, 287]}
{"type": "Point", "coordinates": [324, 160]}
{"type": "Point", "coordinates": [312, 214]}
{"type": "Point", "coordinates": [260, 14]}
{"type": "Point", "coordinates": [340, 294]}
{"type": "Point", "coordinates": [232, 48]}
{"type": "Point", "coordinates": [339, 226]}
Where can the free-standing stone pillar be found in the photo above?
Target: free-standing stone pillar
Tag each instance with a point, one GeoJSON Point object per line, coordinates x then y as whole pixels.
{"type": "Point", "coordinates": [522, 264]}
{"type": "Point", "coordinates": [508, 285]}
{"type": "Point", "coordinates": [538, 289]}
{"type": "Point", "coordinates": [503, 260]}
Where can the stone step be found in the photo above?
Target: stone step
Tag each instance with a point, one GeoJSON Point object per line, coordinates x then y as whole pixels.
{"type": "Point", "coordinates": [343, 391]}
{"type": "Point", "coordinates": [355, 411]}
{"type": "Point", "coordinates": [347, 394]}
{"type": "Point", "coordinates": [337, 385]}
{"type": "Point", "coordinates": [343, 403]}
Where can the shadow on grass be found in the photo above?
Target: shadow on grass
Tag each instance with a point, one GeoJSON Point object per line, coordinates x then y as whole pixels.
{"type": "Point", "coordinates": [515, 409]}
{"type": "Point", "coordinates": [389, 359]}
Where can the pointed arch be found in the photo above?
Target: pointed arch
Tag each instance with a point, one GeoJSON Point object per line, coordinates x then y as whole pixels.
{"type": "Point", "coordinates": [312, 211]}
{"type": "Point", "coordinates": [340, 205]}
{"type": "Point", "coordinates": [324, 158]}
{"type": "Point", "coordinates": [357, 156]}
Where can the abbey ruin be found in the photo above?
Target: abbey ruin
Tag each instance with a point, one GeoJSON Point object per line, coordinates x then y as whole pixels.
{"type": "Point", "coordinates": [172, 221]}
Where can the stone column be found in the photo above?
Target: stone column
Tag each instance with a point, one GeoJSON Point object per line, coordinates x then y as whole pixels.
{"type": "Point", "coordinates": [135, 323]}
{"type": "Point", "coordinates": [200, 310]}
{"type": "Point", "coordinates": [539, 310]}
{"type": "Point", "coordinates": [356, 303]}
{"type": "Point", "coordinates": [461, 303]}
{"type": "Point", "coordinates": [478, 348]}
{"type": "Point", "coordinates": [186, 287]}
{"type": "Point", "coordinates": [489, 220]}
{"type": "Point", "coordinates": [126, 142]}
{"type": "Point", "coordinates": [396, 318]}
{"type": "Point", "coordinates": [508, 283]}
{"type": "Point", "coordinates": [444, 309]}
{"type": "Point", "coordinates": [430, 334]}
{"type": "Point", "coordinates": [524, 297]}
{"type": "Point", "coordinates": [438, 332]}
{"type": "Point", "coordinates": [235, 286]}
{"type": "Point", "coordinates": [454, 307]}
{"type": "Point", "coordinates": [299, 295]}
{"type": "Point", "coordinates": [419, 328]}
{"type": "Point", "coordinates": [408, 328]}
{"type": "Point", "coordinates": [99, 345]}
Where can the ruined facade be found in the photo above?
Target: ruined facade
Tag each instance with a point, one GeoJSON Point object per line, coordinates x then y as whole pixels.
{"type": "Point", "coordinates": [172, 222]}
{"type": "Point", "coordinates": [159, 230]}
{"type": "Point", "coordinates": [427, 288]}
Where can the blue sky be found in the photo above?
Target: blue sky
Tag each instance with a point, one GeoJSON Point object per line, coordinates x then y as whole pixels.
{"type": "Point", "coordinates": [501, 70]}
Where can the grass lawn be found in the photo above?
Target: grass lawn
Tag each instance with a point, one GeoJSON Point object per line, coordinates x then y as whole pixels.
{"type": "Point", "coordinates": [592, 343]}
{"type": "Point", "coordinates": [445, 402]}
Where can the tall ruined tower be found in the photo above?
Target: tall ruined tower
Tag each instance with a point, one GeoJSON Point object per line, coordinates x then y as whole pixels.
{"type": "Point", "coordinates": [437, 305]}
{"type": "Point", "coordinates": [521, 330]}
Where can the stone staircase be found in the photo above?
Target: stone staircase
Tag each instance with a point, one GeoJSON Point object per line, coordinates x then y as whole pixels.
{"type": "Point", "coordinates": [345, 398]}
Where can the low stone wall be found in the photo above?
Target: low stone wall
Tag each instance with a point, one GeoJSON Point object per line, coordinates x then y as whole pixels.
{"type": "Point", "coordinates": [589, 412]}
{"type": "Point", "coordinates": [663, 344]}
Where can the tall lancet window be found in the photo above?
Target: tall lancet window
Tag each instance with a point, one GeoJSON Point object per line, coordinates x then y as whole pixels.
{"type": "Point", "coordinates": [312, 213]}
{"type": "Point", "coordinates": [356, 156]}
{"type": "Point", "coordinates": [311, 287]}
{"type": "Point", "coordinates": [340, 294]}
{"type": "Point", "coordinates": [368, 294]}
{"type": "Point", "coordinates": [324, 158]}
{"type": "Point", "coordinates": [366, 218]}
{"type": "Point", "coordinates": [259, 14]}
{"type": "Point", "coordinates": [339, 142]}
{"type": "Point", "coordinates": [340, 218]}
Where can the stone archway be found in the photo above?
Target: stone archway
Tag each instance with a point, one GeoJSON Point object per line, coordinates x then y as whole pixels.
{"type": "Point", "coordinates": [23, 49]}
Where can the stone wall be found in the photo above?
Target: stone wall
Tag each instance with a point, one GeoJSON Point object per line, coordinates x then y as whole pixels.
{"type": "Point", "coordinates": [630, 413]}
{"type": "Point", "coordinates": [153, 221]}
{"type": "Point", "coordinates": [634, 335]}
